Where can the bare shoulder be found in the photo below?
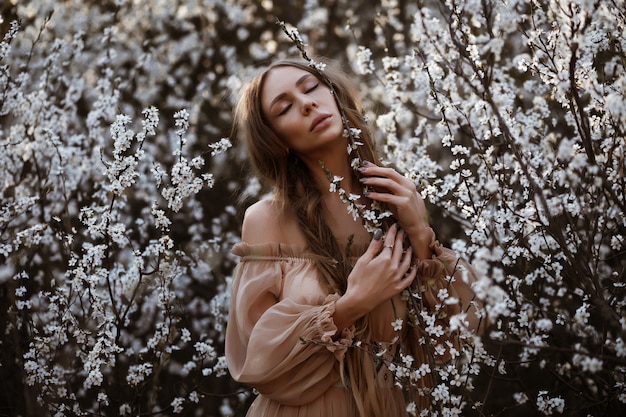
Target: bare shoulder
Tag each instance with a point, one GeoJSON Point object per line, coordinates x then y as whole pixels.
{"type": "Point", "coordinates": [269, 220]}
{"type": "Point", "coordinates": [259, 219]}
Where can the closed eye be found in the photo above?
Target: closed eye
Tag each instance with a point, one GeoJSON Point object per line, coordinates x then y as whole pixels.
{"type": "Point", "coordinates": [311, 88]}
{"type": "Point", "coordinates": [307, 90]}
{"type": "Point", "coordinates": [284, 110]}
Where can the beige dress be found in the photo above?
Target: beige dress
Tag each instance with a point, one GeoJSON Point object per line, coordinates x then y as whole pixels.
{"type": "Point", "coordinates": [277, 302]}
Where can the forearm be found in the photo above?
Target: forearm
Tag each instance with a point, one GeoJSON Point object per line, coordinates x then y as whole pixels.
{"type": "Point", "coordinates": [348, 309]}
{"type": "Point", "coordinates": [421, 241]}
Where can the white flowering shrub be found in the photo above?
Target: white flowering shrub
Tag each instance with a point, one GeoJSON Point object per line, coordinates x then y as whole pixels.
{"type": "Point", "coordinates": [118, 183]}
{"type": "Point", "coordinates": [114, 229]}
{"type": "Point", "coordinates": [510, 118]}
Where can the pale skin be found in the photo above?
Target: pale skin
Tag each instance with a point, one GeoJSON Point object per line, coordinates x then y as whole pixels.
{"type": "Point", "coordinates": [302, 111]}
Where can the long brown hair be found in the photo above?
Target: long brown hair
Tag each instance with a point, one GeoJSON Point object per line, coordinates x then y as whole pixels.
{"type": "Point", "coordinates": [289, 176]}
{"type": "Point", "coordinates": [294, 185]}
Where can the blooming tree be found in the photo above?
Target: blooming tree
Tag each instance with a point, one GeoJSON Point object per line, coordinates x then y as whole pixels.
{"type": "Point", "coordinates": [118, 181]}
{"type": "Point", "coordinates": [523, 102]}
{"type": "Point", "coordinates": [115, 263]}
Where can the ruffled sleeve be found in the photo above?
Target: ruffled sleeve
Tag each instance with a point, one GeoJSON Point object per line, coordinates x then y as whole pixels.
{"type": "Point", "coordinates": [283, 347]}
{"type": "Point", "coordinates": [444, 262]}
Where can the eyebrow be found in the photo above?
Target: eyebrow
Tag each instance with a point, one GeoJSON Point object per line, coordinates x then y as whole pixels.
{"type": "Point", "coordinates": [282, 95]}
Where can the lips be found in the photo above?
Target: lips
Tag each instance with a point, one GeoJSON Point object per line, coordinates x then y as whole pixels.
{"type": "Point", "coordinates": [319, 119]}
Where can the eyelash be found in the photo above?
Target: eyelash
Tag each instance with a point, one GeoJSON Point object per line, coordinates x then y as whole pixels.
{"type": "Point", "coordinates": [313, 87]}
{"type": "Point", "coordinates": [308, 90]}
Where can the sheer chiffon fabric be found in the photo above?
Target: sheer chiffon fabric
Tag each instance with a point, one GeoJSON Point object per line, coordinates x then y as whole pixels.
{"type": "Point", "coordinates": [334, 402]}
{"type": "Point", "coordinates": [279, 338]}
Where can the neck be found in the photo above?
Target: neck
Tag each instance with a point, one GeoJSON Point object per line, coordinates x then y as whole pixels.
{"type": "Point", "coordinates": [336, 164]}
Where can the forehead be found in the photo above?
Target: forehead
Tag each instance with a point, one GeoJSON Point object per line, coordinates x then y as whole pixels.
{"type": "Point", "coordinates": [279, 80]}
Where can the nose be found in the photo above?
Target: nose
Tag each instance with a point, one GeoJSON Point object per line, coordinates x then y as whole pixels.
{"type": "Point", "coordinates": [308, 104]}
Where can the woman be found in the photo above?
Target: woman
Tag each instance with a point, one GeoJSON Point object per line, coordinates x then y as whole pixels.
{"type": "Point", "coordinates": [315, 296]}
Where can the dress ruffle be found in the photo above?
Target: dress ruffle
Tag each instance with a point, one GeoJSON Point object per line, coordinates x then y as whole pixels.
{"type": "Point", "coordinates": [275, 250]}
{"type": "Point", "coordinates": [270, 250]}
{"type": "Point", "coordinates": [443, 262]}
{"type": "Point", "coordinates": [328, 330]}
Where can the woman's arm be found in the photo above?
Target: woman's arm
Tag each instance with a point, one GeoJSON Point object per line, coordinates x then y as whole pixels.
{"type": "Point", "coordinates": [407, 206]}
{"type": "Point", "coordinates": [265, 332]}
{"type": "Point", "coordinates": [400, 194]}
{"type": "Point", "coordinates": [380, 273]}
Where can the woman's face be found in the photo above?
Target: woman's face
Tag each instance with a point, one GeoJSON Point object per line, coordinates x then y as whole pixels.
{"type": "Point", "coordinates": [301, 110]}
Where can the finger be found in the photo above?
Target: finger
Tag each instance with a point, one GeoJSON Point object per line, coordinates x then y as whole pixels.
{"type": "Point", "coordinates": [386, 184]}
{"type": "Point", "coordinates": [397, 197]}
{"type": "Point", "coordinates": [369, 169]}
{"type": "Point", "coordinates": [408, 278]}
{"type": "Point", "coordinates": [398, 246]}
{"type": "Point", "coordinates": [390, 239]}
{"type": "Point", "coordinates": [375, 245]}
{"type": "Point", "coordinates": [389, 192]}
{"type": "Point", "coordinates": [384, 177]}
{"type": "Point", "coordinates": [393, 202]}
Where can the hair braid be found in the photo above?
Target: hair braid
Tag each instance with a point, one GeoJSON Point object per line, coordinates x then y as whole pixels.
{"type": "Point", "coordinates": [306, 200]}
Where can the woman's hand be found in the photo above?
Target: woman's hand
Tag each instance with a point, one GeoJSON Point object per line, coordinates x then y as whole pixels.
{"type": "Point", "coordinates": [407, 206]}
{"type": "Point", "coordinates": [383, 271]}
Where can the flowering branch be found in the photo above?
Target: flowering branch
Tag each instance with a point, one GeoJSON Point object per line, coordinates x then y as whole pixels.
{"type": "Point", "coordinates": [373, 216]}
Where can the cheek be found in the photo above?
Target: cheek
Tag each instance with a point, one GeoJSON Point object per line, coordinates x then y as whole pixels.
{"type": "Point", "coordinates": [286, 130]}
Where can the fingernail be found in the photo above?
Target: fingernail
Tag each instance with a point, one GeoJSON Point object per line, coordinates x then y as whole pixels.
{"type": "Point", "coordinates": [365, 163]}
{"type": "Point", "coordinates": [378, 234]}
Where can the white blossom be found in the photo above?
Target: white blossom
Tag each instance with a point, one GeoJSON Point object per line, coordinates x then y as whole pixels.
{"type": "Point", "coordinates": [177, 405]}
{"type": "Point", "coordinates": [548, 405]}
{"type": "Point", "coordinates": [113, 215]}
{"type": "Point", "coordinates": [220, 147]}
{"type": "Point", "coordinates": [397, 325]}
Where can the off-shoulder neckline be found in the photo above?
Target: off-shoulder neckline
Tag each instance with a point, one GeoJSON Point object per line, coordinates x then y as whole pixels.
{"type": "Point", "coordinates": [279, 250]}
